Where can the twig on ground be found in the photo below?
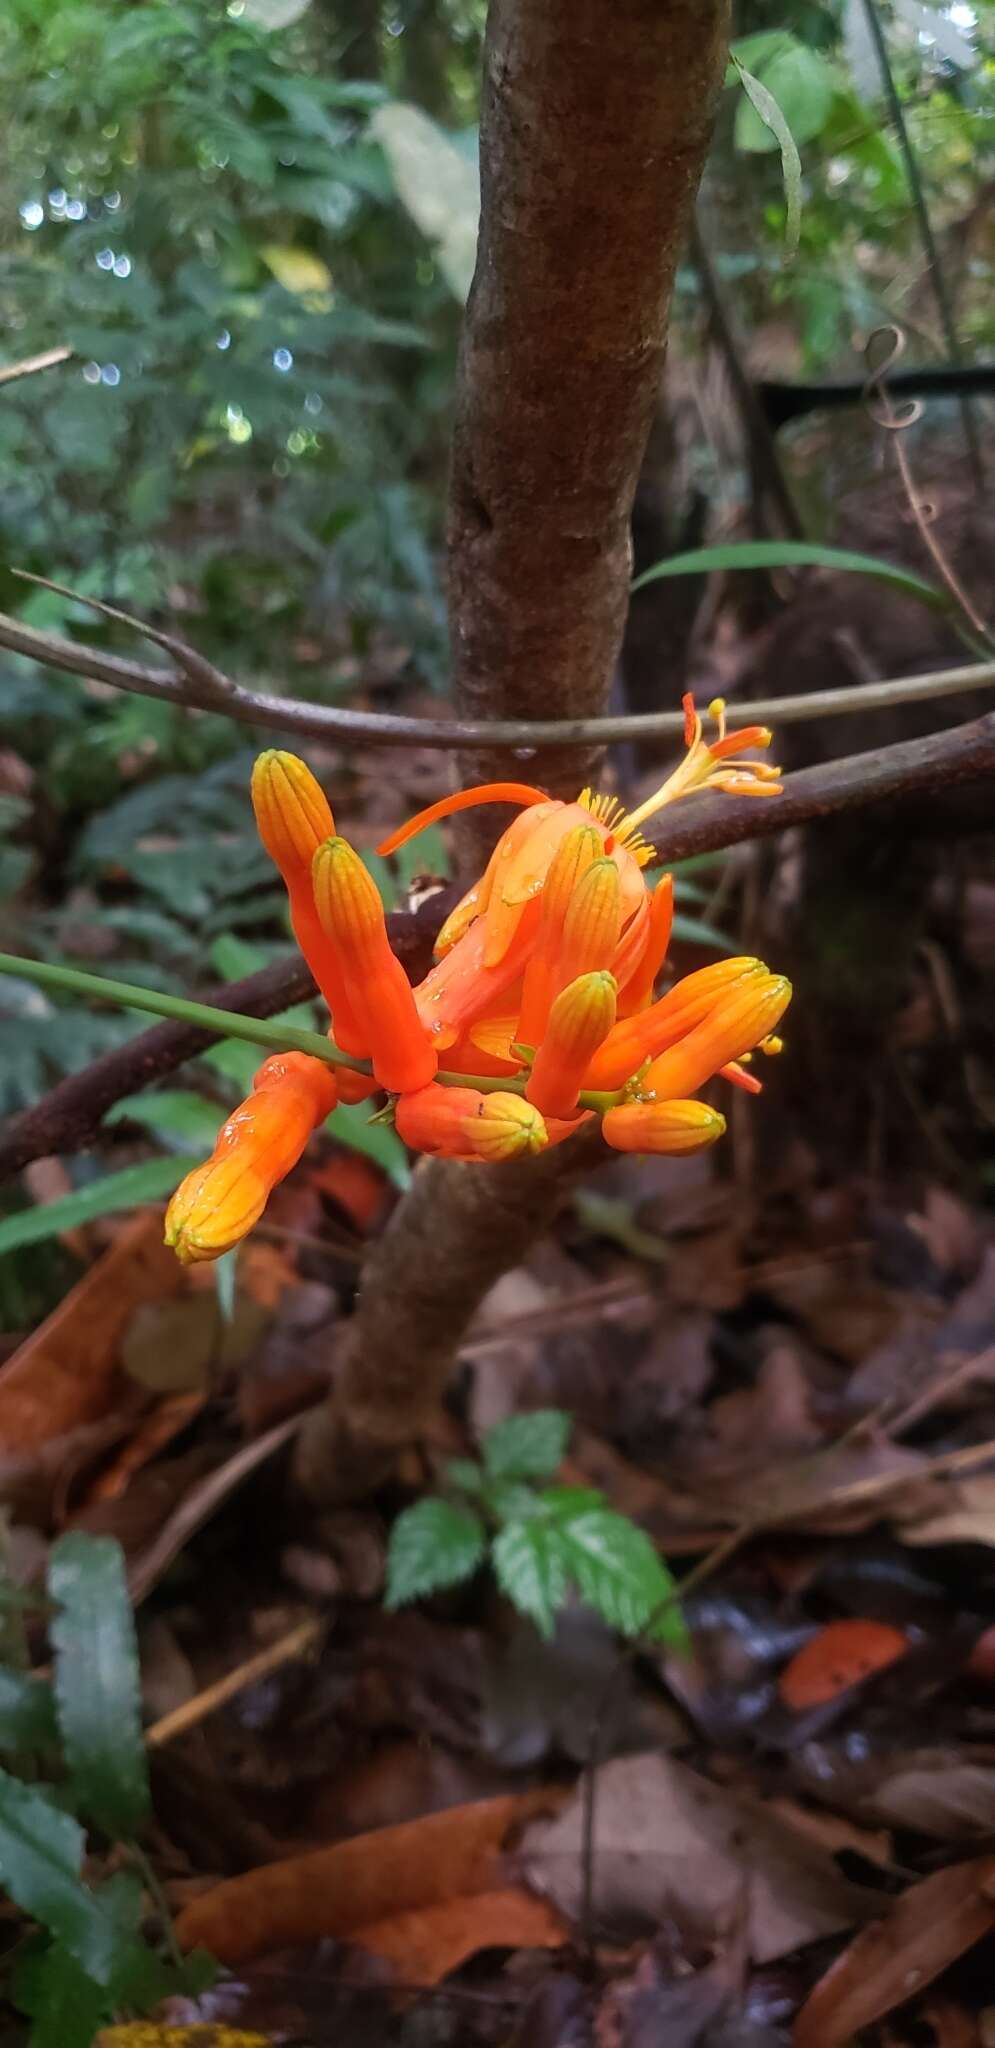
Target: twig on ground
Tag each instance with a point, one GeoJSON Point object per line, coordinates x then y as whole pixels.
{"type": "Point", "coordinates": [290, 1646]}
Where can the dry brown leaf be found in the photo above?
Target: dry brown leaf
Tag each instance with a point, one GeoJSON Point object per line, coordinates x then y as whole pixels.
{"type": "Point", "coordinates": [668, 1843]}
{"type": "Point", "coordinates": [425, 1946]}
{"type": "Point", "coordinates": [65, 1373]}
{"type": "Point", "coordinates": [938, 1792]}
{"type": "Point", "coordinates": [833, 1832]}
{"type": "Point", "coordinates": [967, 1516]}
{"type": "Point", "coordinates": [351, 1885]}
{"type": "Point", "coordinates": [929, 1926]}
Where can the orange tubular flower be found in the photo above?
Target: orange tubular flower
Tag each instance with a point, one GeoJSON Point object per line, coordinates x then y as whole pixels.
{"type": "Point", "coordinates": [219, 1202]}
{"type": "Point", "coordinates": [376, 987]}
{"type": "Point", "coordinates": [671, 1127]}
{"type": "Point", "coordinates": [293, 818]}
{"type": "Point", "coordinates": [579, 1021]}
{"type": "Point", "coordinates": [637, 990]}
{"type": "Point", "coordinates": [638, 1039]}
{"type": "Point", "coordinates": [462, 1123]}
{"type": "Point", "coordinates": [575, 854]}
{"type": "Point", "coordinates": [733, 1028]}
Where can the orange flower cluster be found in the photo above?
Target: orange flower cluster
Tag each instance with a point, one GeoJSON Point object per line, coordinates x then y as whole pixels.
{"type": "Point", "coordinates": [540, 1008]}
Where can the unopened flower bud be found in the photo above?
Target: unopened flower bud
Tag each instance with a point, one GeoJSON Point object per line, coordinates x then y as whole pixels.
{"type": "Point", "coordinates": [671, 1127]}
{"type": "Point", "coordinates": [372, 981]}
{"type": "Point", "coordinates": [579, 1021]}
{"type": "Point", "coordinates": [640, 1038]}
{"type": "Point", "coordinates": [746, 1015]}
{"type": "Point", "coordinates": [218, 1203]}
{"type": "Point", "coordinates": [465, 1123]}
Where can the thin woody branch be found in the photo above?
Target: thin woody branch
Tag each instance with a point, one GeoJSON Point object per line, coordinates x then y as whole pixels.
{"type": "Point", "coordinates": [334, 723]}
{"type": "Point", "coordinates": [68, 1118]}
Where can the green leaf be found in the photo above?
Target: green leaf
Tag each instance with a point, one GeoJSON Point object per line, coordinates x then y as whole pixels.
{"type": "Point", "coordinates": [792, 554]}
{"type": "Point", "coordinates": [465, 1472]}
{"type": "Point", "coordinates": [510, 1500]}
{"type": "Point", "coordinates": [526, 1446]}
{"type": "Point", "coordinates": [618, 1571]}
{"type": "Point", "coordinates": [696, 931]}
{"type": "Point", "coordinates": [97, 1683]}
{"type": "Point", "coordinates": [438, 183]}
{"type": "Point", "coordinates": [432, 1545]}
{"type": "Point", "coordinates": [801, 85]}
{"type": "Point", "coordinates": [770, 118]}
{"type": "Point", "coordinates": [177, 1114]}
{"type": "Point", "coordinates": [350, 1123]}
{"type": "Point", "coordinates": [65, 2004]}
{"type": "Point", "coordinates": [41, 1850]}
{"type": "Point", "coordinates": [530, 1567]}
{"type": "Point", "coordinates": [128, 1189]}
{"type": "Point", "coordinates": [27, 1712]}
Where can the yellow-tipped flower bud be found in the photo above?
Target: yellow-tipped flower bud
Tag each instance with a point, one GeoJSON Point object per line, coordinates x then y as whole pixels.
{"type": "Point", "coordinates": [671, 1127]}
{"type": "Point", "coordinates": [372, 981]}
{"type": "Point", "coordinates": [465, 1123]}
{"type": "Point", "coordinates": [640, 1038]}
{"type": "Point", "coordinates": [293, 818]}
{"type": "Point", "coordinates": [215, 1207]}
{"type": "Point", "coordinates": [579, 1021]}
{"type": "Point", "coordinates": [218, 1203]}
{"type": "Point", "coordinates": [293, 815]}
{"type": "Point", "coordinates": [592, 922]}
{"type": "Point", "coordinates": [748, 1014]}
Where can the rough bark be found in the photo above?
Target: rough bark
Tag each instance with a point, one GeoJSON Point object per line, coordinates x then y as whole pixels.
{"type": "Point", "coordinates": [596, 118]}
{"type": "Point", "coordinates": [595, 121]}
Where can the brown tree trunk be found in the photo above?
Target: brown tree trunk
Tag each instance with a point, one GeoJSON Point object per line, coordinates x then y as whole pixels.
{"type": "Point", "coordinates": [595, 122]}
{"type": "Point", "coordinates": [596, 119]}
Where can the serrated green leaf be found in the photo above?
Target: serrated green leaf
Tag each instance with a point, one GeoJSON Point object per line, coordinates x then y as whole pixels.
{"type": "Point", "coordinates": [792, 554]}
{"type": "Point", "coordinates": [617, 1570]}
{"type": "Point", "coordinates": [27, 1713]}
{"type": "Point", "coordinates": [65, 2005]}
{"type": "Point", "coordinates": [511, 1500]}
{"type": "Point", "coordinates": [465, 1472]}
{"type": "Point", "coordinates": [526, 1446]}
{"type": "Point", "coordinates": [97, 1683]}
{"type": "Point", "coordinates": [134, 1185]}
{"type": "Point", "coordinates": [41, 1851]}
{"type": "Point", "coordinates": [432, 1545]}
{"type": "Point", "coordinates": [531, 1569]}
{"type": "Point", "coordinates": [567, 1501]}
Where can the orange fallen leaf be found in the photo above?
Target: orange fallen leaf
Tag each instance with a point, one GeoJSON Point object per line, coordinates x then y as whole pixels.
{"type": "Point", "coordinates": [354, 1884]}
{"type": "Point", "coordinates": [889, 1961]}
{"type": "Point", "coordinates": [841, 1655]}
{"type": "Point", "coordinates": [426, 1945]}
{"type": "Point", "coordinates": [65, 1373]}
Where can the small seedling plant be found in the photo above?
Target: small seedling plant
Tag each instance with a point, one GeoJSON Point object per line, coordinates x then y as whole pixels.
{"type": "Point", "coordinates": [74, 1801]}
{"type": "Point", "coordinates": [544, 1542]}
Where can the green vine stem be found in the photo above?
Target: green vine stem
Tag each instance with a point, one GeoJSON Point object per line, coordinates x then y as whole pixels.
{"type": "Point", "coordinates": [271, 1034]}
